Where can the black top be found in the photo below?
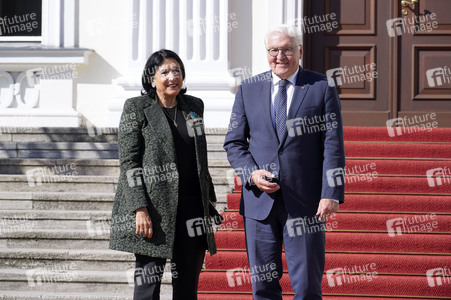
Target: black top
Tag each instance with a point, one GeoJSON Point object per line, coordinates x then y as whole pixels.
{"type": "Point", "coordinates": [189, 185]}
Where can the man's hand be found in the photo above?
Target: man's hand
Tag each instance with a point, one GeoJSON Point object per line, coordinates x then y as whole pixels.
{"type": "Point", "coordinates": [143, 223]}
{"type": "Point", "coordinates": [326, 208]}
{"type": "Point", "coordinates": [258, 177]}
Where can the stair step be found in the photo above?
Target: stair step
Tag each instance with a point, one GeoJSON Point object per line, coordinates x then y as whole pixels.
{"type": "Point", "coordinates": [380, 203]}
{"type": "Point", "coordinates": [56, 201]}
{"type": "Point", "coordinates": [368, 284]}
{"type": "Point", "coordinates": [94, 167]}
{"type": "Point", "coordinates": [390, 185]}
{"type": "Point", "coordinates": [58, 238]}
{"type": "Point", "coordinates": [397, 150]}
{"type": "Point", "coordinates": [362, 242]}
{"type": "Point", "coordinates": [381, 134]}
{"type": "Point", "coordinates": [393, 167]}
{"type": "Point", "coordinates": [90, 167]}
{"type": "Point", "coordinates": [58, 150]}
{"type": "Point", "coordinates": [216, 154]}
{"type": "Point", "coordinates": [64, 182]}
{"type": "Point", "coordinates": [94, 260]}
{"type": "Point", "coordinates": [383, 263]}
{"type": "Point", "coordinates": [43, 180]}
{"type": "Point", "coordinates": [215, 139]}
{"type": "Point", "coordinates": [65, 277]}
{"type": "Point", "coordinates": [31, 295]}
{"type": "Point", "coordinates": [61, 134]}
{"type": "Point", "coordinates": [71, 200]}
{"type": "Point", "coordinates": [70, 280]}
{"type": "Point", "coordinates": [47, 219]}
{"type": "Point", "coordinates": [424, 223]}
{"type": "Point", "coordinates": [246, 296]}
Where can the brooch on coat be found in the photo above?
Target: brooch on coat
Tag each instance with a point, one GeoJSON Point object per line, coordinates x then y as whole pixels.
{"type": "Point", "coordinates": [195, 124]}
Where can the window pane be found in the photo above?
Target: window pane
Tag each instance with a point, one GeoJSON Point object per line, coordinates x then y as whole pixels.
{"type": "Point", "coordinates": [20, 17]}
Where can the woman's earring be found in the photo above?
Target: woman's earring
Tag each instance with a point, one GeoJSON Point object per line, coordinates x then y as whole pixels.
{"type": "Point", "coordinates": [153, 84]}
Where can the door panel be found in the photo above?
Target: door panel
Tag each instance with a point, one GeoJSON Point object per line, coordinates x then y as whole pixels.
{"type": "Point", "coordinates": [352, 54]}
{"type": "Point", "coordinates": [425, 62]}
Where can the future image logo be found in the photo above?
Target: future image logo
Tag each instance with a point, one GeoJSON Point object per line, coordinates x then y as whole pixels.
{"type": "Point", "coordinates": [412, 124]}
{"type": "Point", "coordinates": [42, 175]}
{"type": "Point", "coordinates": [308, 225]}
{"type": "Point", "coordinates": [10, 26]}
{"type": "Point", "coordinates": [438, 276]}
{"type": "Point", "coordinates": [411, 224]}
{"type": "Point", "coordinates": [196, 227]}
{"type": "Point", "coordinates": [438, 176]}
{"type": "Point", "coordinates": [411, 25]}
{"type": "Point", "coordinates": [352, 74]}
{"type": "Point", "coordinates": [312, 124]}
{"type": "Point", "coordinates": [351, 275]}
{"type": "Point", "coordinates": [258, 273]}
{"type": "Point", "coordinates": [438, 76]}
{"type": "Point", "coordinates": [335, 177]}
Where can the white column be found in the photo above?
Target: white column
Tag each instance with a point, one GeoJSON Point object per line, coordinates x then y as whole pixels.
{"type": "Point", "coordinates": [59, 23]}
{"type": "Point", "coordinates": [285, 12]}
{"type": "Point", "coordinates": [69, 20]}
{"type": "Point", "coordinates": [51, 23]}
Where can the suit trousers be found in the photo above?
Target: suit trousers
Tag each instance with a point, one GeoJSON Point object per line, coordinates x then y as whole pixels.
{"type": "Point", "coordinates": [304, 242]}
{"type": "Point", "coordinates": [186, 263]}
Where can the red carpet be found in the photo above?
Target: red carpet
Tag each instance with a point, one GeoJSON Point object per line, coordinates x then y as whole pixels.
{"type": "Point", "coordinates": [385, 203]}
{"type": "Point", "coordinates": [414, 264]}
{"type": "Point", "coordinates": [391, 238]}
{"type": "Point", "coordinates": [363, 222]}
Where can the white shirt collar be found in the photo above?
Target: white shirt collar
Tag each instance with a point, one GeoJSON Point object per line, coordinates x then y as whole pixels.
{"type": "Point", "coordinates": [291, 79]}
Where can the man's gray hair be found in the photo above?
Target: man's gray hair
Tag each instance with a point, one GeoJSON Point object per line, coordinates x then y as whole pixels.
{"type": "Point", "coordinates": [290, 30]}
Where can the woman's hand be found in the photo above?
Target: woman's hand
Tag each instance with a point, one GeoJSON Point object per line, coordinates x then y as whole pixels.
{"type": "Point", "coordinates": [143, 223]}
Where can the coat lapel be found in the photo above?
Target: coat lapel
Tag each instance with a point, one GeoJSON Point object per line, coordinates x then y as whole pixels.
{"type": "Point", "coordinates": [155, 115]}
{"type": "Point", "coordinates": [300, 90]}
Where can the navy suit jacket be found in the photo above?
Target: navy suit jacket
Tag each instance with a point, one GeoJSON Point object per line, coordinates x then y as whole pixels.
{"type": "Point", "coordinates": [309, 161]}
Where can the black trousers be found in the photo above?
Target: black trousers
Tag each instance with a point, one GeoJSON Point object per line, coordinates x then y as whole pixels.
{"type": "Point", "coordinates": [186, 263]}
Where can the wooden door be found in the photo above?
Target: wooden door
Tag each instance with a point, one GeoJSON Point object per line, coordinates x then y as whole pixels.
{"type": "Point", "coordinates": [379, 67]}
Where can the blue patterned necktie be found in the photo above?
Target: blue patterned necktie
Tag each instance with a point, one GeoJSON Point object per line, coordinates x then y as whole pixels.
{"type": "Point", "coordinates": [280, 105]}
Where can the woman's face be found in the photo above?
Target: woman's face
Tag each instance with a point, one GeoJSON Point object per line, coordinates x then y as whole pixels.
{"type": "Point", "coordinates": [168, 79]}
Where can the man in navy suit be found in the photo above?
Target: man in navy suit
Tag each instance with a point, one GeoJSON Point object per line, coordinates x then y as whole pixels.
{"type": "Point", "coordinates": [285, 141]}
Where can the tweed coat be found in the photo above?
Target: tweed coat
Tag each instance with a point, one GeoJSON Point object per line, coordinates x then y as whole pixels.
{"type": "Point", "coordinates": [147, 151]}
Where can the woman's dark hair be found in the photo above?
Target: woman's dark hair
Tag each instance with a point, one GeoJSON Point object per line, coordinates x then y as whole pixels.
{"type": "Point", "coordinates": [152, 64]}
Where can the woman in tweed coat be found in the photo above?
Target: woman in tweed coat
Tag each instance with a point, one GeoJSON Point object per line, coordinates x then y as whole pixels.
{"type": "Point", "coordinates": [161, 208]}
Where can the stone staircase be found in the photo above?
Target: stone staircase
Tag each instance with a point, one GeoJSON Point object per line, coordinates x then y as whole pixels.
{"type": "Point", "coordinates": [56, 193]}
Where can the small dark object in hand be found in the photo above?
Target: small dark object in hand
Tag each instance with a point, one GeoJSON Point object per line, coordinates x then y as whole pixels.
{"type": "Point", "coordinates": [271, 179]}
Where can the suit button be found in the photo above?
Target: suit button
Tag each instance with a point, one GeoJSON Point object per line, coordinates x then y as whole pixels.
{"type": "Point", "coordinates": [280, 152]}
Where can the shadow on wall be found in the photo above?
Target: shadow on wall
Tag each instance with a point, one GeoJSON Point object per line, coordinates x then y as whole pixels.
{"type": "Point", "coordinates": [240, 43]}
{"type": "Point", "coordinates": [93, 87]}
{"type": "Point", "coordinates": [97, 71]}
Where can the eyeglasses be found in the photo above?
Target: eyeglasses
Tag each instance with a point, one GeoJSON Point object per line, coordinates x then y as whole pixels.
{"type": "Point", "coordinates": [286, 51]}
{"type": "Point", "coordinates": [175, 73]}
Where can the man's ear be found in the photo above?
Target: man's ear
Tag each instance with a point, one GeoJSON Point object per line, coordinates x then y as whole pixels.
{"type": "Point", "coordinates": [300, 51]}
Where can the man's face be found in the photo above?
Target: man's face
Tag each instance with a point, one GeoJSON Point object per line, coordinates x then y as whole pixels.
{"type": "Point", "coordinates": [283, 65]}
